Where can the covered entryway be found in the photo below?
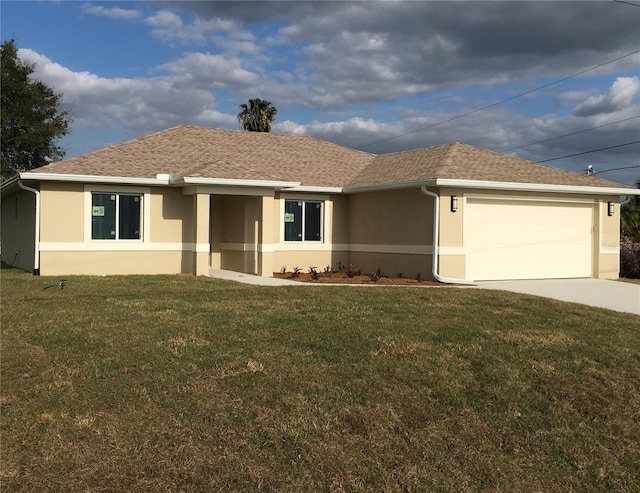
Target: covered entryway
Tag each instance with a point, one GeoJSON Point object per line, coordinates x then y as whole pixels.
{"type": "Point", "coordinates": [527, 239]}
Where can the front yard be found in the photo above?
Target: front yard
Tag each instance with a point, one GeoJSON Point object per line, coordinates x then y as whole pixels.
{"type": "Point", "coordinates": [177, 383]}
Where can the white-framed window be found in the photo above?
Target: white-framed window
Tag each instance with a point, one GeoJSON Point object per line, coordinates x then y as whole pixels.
{"type": "Point", "coordinates": [116, 216]}
{"type": "Point", "coordinates": [303, 220]}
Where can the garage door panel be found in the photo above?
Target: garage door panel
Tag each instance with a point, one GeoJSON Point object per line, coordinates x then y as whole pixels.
{"type": "Point", "coordinates": [512, 239]}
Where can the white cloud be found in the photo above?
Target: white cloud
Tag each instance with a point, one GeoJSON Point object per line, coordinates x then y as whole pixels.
{"type": "Point", "coordinates": [112, 13]}
{"type": "Point", "coordinates": [619, 96]}
{"type": "Point", "coordinates": [168, 26]}
{"type": "Point", "coordinates": [139, 105]}
{"type": "Point", "coordinates": [209, 72]}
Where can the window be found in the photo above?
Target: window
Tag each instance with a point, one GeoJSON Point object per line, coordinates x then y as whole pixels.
{"type": "Point", "coordinates": [302, 220]}
{"type": "Point", "coordinates": [116, 216]}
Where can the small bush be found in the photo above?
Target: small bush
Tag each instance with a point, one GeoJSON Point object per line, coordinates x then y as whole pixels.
{"type": "Point", "coordinates": [352, 272]}
{"type": "Point", "coordinates": [629, 259]}
{"type": "Point", "coordinates": [296, 272]}
{"type": "Point", "coordinates": [313, 271]}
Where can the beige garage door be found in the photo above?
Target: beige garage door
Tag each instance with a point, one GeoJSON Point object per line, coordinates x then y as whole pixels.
{"type": "Point", "coordinates": [516, 239]}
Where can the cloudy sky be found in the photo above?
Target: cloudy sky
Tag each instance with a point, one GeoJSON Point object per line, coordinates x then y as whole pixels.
{"type": "Point", "coordinates": [539, 80]}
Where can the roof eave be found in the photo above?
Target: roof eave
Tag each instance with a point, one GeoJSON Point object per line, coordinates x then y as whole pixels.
{"type": "Point", "coordinates": [276, 184]}
{"type": "Point", "coordinates": [161, 179]}
{"type": "Point", "coordinates": [532, 187]}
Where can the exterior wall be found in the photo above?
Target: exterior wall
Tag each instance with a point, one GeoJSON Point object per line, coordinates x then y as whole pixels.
{"type": "Point", "coordinates": [451, 261]}
{"type": "Point", "coordinates": [17, 235]}
{"type": "Point", "coordinates": [607, 251]}
{"type": "Point", "coordinates": [391, 230]}
{"type": "Point", "coordinates": [167, 246]}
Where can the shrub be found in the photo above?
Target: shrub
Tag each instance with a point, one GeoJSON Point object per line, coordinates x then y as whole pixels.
{"type": "Point", "coordinates": [629, 258]}
{"type": "Point", "coordinates": [313, 271]}
{"type": "Point", "coordinates": [352, 272]}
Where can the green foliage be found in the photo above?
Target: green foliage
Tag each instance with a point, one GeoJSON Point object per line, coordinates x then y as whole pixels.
{"type": "Point", "coordinates": [257, 116]}
{"type": "Point", "coordinates": [630, 218]}
{"type": "Point", "coordinates": [313, 271]}
{"type": "Point", "coordinates": [31, 118]}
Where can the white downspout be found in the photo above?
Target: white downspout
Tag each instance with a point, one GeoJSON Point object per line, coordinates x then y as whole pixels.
{"type": "Point", "coordinates": [36, 260]}
{"type": "Point", "coordinates": [436, 229]}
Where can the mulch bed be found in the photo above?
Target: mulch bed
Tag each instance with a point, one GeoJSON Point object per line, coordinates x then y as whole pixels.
{"type": "Point", "coordinates": [342, 278]}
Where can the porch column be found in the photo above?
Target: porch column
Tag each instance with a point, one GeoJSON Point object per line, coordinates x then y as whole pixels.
{"type": "Point", "coordinates": [201, 225]}
{"type": "Point", "coordinates": [268, 235]}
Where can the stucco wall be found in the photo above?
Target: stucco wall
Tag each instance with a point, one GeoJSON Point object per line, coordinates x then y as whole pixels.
{"type": "Point", "coordinates": [171, 216]}
{"type": "Point", "coordinates": [167, 240]}
{"type": "Point", "coordinates": [391, 230]}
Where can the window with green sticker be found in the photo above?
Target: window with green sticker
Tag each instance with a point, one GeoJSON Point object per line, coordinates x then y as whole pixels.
{"type": "Point", "coordinates": [302, 220]}
{"type": "Point", "coordinates": [116, 216]}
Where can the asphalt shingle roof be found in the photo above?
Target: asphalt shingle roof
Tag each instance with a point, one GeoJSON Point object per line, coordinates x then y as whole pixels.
{"type": "Point", "coordinates": [187, 151]}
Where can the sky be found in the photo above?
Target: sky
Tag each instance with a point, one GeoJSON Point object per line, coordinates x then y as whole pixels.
{"type": "Point", "coordinates": [539, 80]}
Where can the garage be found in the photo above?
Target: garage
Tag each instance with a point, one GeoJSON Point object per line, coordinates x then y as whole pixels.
{"type": "Point", "coordinates": [527, 238]}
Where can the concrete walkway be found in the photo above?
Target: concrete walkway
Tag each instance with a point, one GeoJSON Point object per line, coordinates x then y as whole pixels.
{"type": "Point", "coordinates": [614, 295]}
{"type": "Point", "coordinates": [229, 275]}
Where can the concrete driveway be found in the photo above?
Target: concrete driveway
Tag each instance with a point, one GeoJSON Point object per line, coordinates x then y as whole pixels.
{"type": "Point", "coordinates": [614, 295]}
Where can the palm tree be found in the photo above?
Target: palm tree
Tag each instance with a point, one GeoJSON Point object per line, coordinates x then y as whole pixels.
{"type": "Point", "coordinates": [257, 116]}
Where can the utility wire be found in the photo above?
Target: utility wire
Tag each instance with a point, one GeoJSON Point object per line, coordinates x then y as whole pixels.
{"type": "Point", "coordinates": [614, 169]}
{"type": "Point", "coordinates": [568, 135]}
{"type": "Point", "coordinates": [500, 102]}
{"type": "Point", "coordinates": [628, 3]}
{"type": "Point", "coordinates": [589, 152]}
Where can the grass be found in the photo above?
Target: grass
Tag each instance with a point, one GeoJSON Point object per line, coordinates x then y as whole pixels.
{"type": "Point", "coordinates": [183, 384]}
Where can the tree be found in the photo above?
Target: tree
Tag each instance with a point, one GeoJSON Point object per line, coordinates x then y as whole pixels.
{"type": "Point", "coordinates": [630, 218]}
{"type": "Point", "coordinates": [31, 119]}
{"type": "Point", "coordinates": [257, 116]}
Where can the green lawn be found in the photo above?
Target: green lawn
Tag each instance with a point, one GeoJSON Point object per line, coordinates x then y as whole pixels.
{"type": "Point", "coordinates": [184, 384]}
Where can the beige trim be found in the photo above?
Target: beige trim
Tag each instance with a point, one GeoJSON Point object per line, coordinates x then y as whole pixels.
{"type": "Point", "coordinates": [609, 250]}
{"type": "Point", "coordinates": [397, 249]}
{"type": "Point", "coordinates": [119, 246]}
{"type": "Point", "coordinates": [146, 211]}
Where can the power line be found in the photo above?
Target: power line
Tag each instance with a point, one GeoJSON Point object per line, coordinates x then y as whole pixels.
{"type": "Point", "coordinates": [589, 152]}
{"type": "Point", "coordinates": [568, 135]}
{"type": "Point", "coordinates": [628, 3]}
{"type": "Point", "coordinates": [614, 169]}
{"type": "Point", "coordinates": [499, 102]}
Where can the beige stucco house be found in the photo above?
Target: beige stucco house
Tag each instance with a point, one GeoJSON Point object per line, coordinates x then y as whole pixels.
{"type": "Point", "coordinates": [191, 199]}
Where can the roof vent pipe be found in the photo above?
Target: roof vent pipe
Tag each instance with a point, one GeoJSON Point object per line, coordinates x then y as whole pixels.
{"type": "Point", "coordinates": [436, 230]}
{"type": "Point", "coordinates": [36, 258]}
